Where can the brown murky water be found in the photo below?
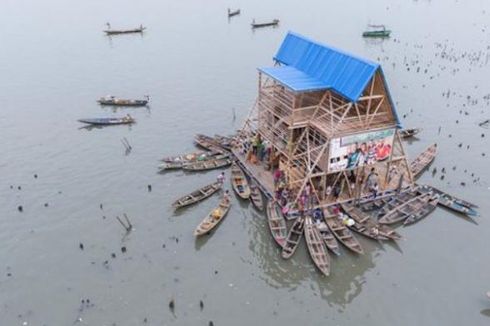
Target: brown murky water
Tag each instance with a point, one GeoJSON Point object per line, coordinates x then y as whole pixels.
{"type": "Point", "coordinates": [200, 68]}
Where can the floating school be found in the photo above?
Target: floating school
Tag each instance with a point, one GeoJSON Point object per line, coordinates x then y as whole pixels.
{"type": "Point", "coordinates": [323, 143]}
{"type": "Point", "coordinates": [323, 128]}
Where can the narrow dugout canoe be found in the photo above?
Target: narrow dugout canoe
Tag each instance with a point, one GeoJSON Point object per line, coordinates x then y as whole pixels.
{"type": "Point", "coordinates": [239, 182]}
{"type": "Point", "coordinates": [403, 211]}
{"type": "Point", "coordinates": [316, 247]}
{"type": "Point", "coordinates": [256, 196]}
{"type": "Point", "coordinates": [277, 223]}
{"type": "Point", "coordinates": [207, 165]}
{"type": "Point", "coordinates": [451, 202]}
{"type": "Point", "coordinates": [422, 162]}
{"type": "Point", "coordinates": [108, 121]}
{"type": "Point", "coordinates": [342, 233]}
{"type": "Point", "coordinates": [366, 225]}
{"type": "Point", "coordinates": [423, 211]}
{"type": "Point", "coordinates": [294, 237]}
{"type": "Point", "coordinates": [197, 195]}
{"type": "Point", "coordinates": [213, 218]}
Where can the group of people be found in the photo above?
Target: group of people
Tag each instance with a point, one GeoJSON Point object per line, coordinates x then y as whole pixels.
{"type": "Point", "coordinates": [256, 149]}
{"type": "Point", "coordinates": [367, 153]}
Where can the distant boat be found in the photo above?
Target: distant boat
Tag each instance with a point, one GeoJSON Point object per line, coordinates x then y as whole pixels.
{"type": "Point", "coordinates": [422, 162]}
{"type": "Point", "coordinates": [108, 121]}
{"type": "Point", "coordinates": [232, 13]}
{"type": "Point", "coordinates": [112, 100]}
{"type": "Point", "coordinates": [378, 31]}
{"type": "Point", "coordinates": [407, 133]}
{"type": "Point", "coordinates": [275, 22]}
{"type": "Point", "coordinates": [110, 31]}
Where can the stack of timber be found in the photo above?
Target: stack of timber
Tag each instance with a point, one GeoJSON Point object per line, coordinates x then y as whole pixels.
{"type": "Point", "coordinates": [451, 202]}
{"type": "Point", "coordinates": [416, 208]}
{"type": "Point", "coordinates": [256, 196]}
{"type": "Point", "coordinates": [114, 101]}
{"type": "Point", "coordinates": [341, 232]}
{"type": "Point", "coordinates": [239, 182]}
{"type": "Point", "coordinates": [410, 132]}
{"type": "Point", "coordinates": [208, 164]}
{"type": "Point", "coordinates": [423, 161]}
{"type": "Point", "coordinates": [277, 223]}
{"type": "Point", "coordinates": [294, 237]}
{"type": "Point", "coordinates": [274, 22]}
{"type": "Point", "coordinates": [197, 196]}
{"type": "Point", "coordinates": [316, 247]}
{"type": "Point", "coordinates": [366, 226]}
{"type": "Point", "coordinates": [213, 218]}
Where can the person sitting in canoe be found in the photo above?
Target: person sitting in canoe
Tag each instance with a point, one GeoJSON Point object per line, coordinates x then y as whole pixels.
{"type": "Point", "coordinates": [128, 117]}
{"type": "Point", "coordinates": [226, 196]}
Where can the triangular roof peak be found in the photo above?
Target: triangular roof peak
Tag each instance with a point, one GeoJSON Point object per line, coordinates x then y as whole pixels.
{"type": "Point", "coordinates": [309, 65]}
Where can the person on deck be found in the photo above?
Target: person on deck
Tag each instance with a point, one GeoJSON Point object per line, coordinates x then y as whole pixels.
{"type": "Point", "coordinates": [221, 178]}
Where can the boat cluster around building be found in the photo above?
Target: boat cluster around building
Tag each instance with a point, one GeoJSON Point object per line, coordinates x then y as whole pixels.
{"type": "Point", "coordinates": [322, 152]}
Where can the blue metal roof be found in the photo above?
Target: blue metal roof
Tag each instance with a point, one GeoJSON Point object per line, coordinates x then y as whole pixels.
{"type": "Point", "coordinates": [310, 66]}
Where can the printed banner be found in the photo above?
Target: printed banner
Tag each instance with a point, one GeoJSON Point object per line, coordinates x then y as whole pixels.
{"type": "Point", "coordinates": [362, 149]}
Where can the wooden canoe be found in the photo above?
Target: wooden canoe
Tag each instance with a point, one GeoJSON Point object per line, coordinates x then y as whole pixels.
{"type": "Point", "coordinates": [328, 237]}
{"type": "Point", "coordinates": [232, 13]}
{"type": "Point", "coordinates": [274, 22]}
{"type": "Point", "coordinates": [277, 223]}
{"type": "Point", "coordinates": [451, 202]}
{"type": "Point", "coordinates": [410, 132]}
{"type": "Point", "coordinates": [403, 211]}
{"type": "Point", "coordinates": [294, 237]}
{"type": "Point", "coordinates": [423, 211]}
{"type": "Point", "coordinates": [316, 247]}
{"type": "Point", "coordinates": [124, 31]}
{"type": "Point", "coordinates": [366, 225]}
{"type": "Point", "coordinates": [207, 165]}
{"type": "Point", "coordinates": [198, 195]}
{"type": "Point", "coordinates": [422, 162]}
{"type": "Point", "coordinates": [114, 101]}
{"type": "Point", "coordinates": [208, 143]}
{"type": "Point", "coordinates": [388, 203]}
{"type": "Point", "coordinates": [342, 232]}
{"type": "Point", "coordinates": [171, 166]}
{"type": "Point", "coordinates": [108, 121]}
{"type": "Point", "coordinates": [213, 218]}
{"type": "Point", "coordinates": [256, 196]}
{"type": "Point", "coordinates": [239, 182]}
{"type": "Point", "coordinates": [188, 157]}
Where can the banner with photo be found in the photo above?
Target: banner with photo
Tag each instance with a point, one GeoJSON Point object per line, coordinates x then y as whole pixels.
{"type": "Point", "coordinates": [352, 151]}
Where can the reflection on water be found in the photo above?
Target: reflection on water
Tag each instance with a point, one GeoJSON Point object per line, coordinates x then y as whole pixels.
{"type": "Point", "coordinates": [339, 289]}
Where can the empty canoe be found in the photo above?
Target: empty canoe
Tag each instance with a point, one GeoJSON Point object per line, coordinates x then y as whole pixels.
{"type": "Point", "coordinates": [197, 196]}
{"type": "Point", "coordinates": [294, 237]}
{"type": "Point", "coordinates": [316, 247]}
{"type": "Point", "coordinates": [277, 223]}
